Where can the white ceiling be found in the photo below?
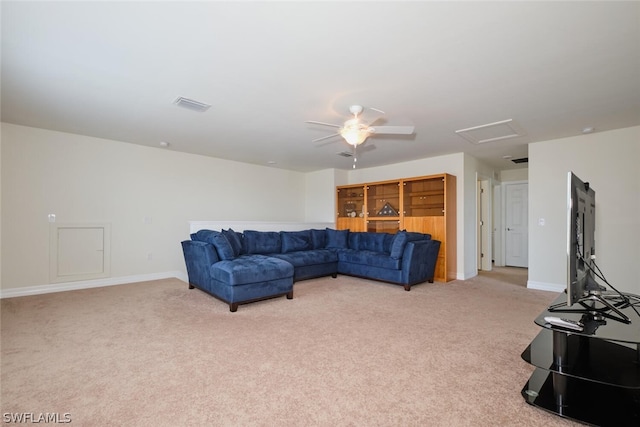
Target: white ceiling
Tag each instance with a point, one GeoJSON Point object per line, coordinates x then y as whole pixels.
{"type": "Point", "coordinates": [113, 69]}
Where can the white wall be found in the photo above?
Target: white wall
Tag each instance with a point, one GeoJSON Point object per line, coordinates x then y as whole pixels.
{"type": "Point", "coordinates": [320, 201]}
{"type": "Point", "coordinates": [84, 179]}
{"type": "Point", "coordinates": [1, 209]}
{"type": "Point", "coordinates": [451, 163]}
{"type": "Point", "coordinates": [610, 162]}
{"type": "Point", "coordinates": [514, 175]}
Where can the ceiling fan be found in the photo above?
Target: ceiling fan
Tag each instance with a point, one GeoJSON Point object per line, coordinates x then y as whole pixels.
{"type": "Point", "coordinates": [355, 131]}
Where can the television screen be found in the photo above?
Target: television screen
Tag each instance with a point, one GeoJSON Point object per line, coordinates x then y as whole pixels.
{"type": "Point", "coordinates": [581, 247]}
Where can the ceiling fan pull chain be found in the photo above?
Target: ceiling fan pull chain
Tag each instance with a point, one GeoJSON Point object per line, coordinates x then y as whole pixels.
{"type": "Point", "coordinates": [355, 159]}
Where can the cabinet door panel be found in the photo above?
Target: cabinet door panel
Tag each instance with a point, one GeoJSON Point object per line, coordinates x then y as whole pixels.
{"type": "Point", "coordinates": [381, 195]}
{"type": "Point", "coordinates": [433, 225]}
{"type": "Point", "coordinates": [391, 227]}
{"type": "Point", "coordinates": [350, 201]}
{"type": "Point", "coordinates": [353, 224]}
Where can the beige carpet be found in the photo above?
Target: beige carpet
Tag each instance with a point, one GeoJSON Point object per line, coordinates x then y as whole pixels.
{"type": "Point", "coordinates": [507, 275]}
{"type": "Point", "coordinates": [343, 352]}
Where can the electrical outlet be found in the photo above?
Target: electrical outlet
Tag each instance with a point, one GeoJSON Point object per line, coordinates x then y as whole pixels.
{"type": "Point", "coordinates": [149, 256]}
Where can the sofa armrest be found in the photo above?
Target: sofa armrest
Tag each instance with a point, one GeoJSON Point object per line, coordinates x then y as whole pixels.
{"type": "Point", "coordinates": [419, 261]}
{"type": "Point", "coordinates": [199, 257]}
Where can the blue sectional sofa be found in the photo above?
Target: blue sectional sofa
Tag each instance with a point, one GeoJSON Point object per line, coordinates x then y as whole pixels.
{"type": "Point", "coordinates": [243, 267]}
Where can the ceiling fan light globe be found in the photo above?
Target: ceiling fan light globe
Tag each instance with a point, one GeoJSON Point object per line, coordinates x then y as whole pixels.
{"type": "Point", "coordinates": [354, 136]}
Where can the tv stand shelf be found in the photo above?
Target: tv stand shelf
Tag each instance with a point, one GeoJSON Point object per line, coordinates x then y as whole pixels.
{"type": "Point", "coordinates": [592, 376]}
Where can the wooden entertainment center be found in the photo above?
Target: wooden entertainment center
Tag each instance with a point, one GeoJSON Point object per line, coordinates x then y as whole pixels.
{"type": "Point", "coordinates": [425, 204]}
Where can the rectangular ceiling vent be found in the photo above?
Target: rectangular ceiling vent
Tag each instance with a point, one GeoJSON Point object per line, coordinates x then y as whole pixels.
{"type": "Point", "coordinates": [505, 129]}
{"type": "Point", "coordinates": [345, 154]}
{"type": "Point", "coordinates": [191, 104]}
{"type": "Point", "coordinates": [522, 160]}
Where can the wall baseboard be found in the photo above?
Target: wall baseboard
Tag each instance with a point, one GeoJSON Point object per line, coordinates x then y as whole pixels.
{"type": "Point", "coordinates": [552, 287]}
{"type": "Point", "coordinates": [97, 283]}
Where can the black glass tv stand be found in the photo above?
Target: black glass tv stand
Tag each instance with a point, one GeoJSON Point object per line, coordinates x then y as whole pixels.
{"type": "Point", "coordinates": [590, 376]}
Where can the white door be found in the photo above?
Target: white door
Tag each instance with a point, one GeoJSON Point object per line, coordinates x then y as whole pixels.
{"type": "Point", "coordinates": [516, 225]}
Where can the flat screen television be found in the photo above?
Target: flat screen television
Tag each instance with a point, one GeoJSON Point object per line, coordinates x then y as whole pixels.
{"type": "Point", "coordinates": [581, 244]}
{"type": "Point", "coordinates": [582, 270]}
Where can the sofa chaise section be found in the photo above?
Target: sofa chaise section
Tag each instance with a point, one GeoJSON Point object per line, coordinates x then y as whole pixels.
{"type": "Point", "coordinates": [235, 278]}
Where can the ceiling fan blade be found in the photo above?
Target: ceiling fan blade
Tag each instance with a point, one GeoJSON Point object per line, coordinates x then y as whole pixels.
{"type": "Point", "coordinates": [325, 137]}
{"type": "Point", "coordinates": [376, 110]}
{"type": "Point", "coordinates": [323, 123]}
{"type": "Point", "coordinates": [378, 121]}
{"type": "Point", "coordinates": [378, 117]}
{"type": "Point", "coordinates": [393, 130]}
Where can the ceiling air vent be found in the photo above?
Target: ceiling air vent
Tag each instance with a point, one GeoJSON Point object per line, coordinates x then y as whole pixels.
{"type": "Point", "coordinates": [191, 104]}
{"type": "Point", "coordinates": [522, 160]}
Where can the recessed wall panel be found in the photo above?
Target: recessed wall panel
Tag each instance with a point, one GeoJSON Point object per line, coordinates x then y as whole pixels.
{"type": "Point", "coordinates": [79, 252]}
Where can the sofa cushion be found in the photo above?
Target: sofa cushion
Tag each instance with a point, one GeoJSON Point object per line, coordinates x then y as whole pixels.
{"type": "Point", "coordinates": [399, 242]}
{"type": "Point", "coordinates": [337, 238]}
{"type": "Point", "coordinates": [369, 258]}
{"type": "Point", "coordinates": [371, 242]}
{"type": "Point", "coordinates": [235, 239]}
{"type": "Point", "coordinates": [262, 242]}
{"type": "Point", "coordinates": [310, 257]}
{"type": "Point", "coordinates": [295, 241]}
{"type": "Point", "coordinates": [318, 238]}
{"type": "Point", "coordinates": [250, 269]}
{"type": "Point", "coordinates": [218, 240]}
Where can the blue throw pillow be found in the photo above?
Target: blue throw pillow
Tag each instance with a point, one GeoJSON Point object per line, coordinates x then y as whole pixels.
{"type": "Point", "coordinates": [399, 242]}
{"type": "Point", "coordinates": [318, 238]}
{"type": "Point", "coordinates": [234, 239]}
{"type": "Point", "coordinates": [413, 235]}
{"type": "Point", "coordinates": [262, 242]}
{"type": "Point", "coordinates": [219, 241]}
{"type": "Point", "coordinates": [353, 241]}
{"type": "Point", "coordinates": [203, 235]}
{"type": "Point", "coordinates": [295, 241]}
{"type": "Point", "coordinates": [337, 238]}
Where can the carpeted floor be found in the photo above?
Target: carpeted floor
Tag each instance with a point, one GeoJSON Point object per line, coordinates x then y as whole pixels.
{"type": "Point", "coordinates": [343, 352]}
{"type": "Point", "coordinates": [507, 275]}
